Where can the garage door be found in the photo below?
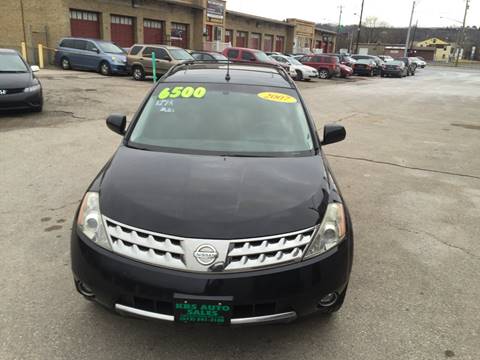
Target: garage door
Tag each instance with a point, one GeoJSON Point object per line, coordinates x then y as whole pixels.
{"type": "Point", "coordinates": [268, 43]}
{"type": "Point", "coordinates": [84, 24]}
{"type": "Point", "coordinates": [179, 35]}
{"type": "Point", "coordinates": [152, 32]}
{"type": "Point", "coordinates": [122, 30]}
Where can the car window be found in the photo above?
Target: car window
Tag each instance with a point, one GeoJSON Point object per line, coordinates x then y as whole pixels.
{"type": "Point", "coordinates": [218, 56]}
{"type": "Point", "coordinates": [247, 55]}
{"type": "Point", "coordinates": [224, 119]}
{"type": "Point", "coordinates": [11, 62]}
{"type": "Point", "coordinates": [135, 50]}
{"type": "Point", "coordinates": [79, 44]}
{"type": "Point", "coordinates": [67, 43]}
{"type": "Point", "coordinates": [197, 56]}
{"type": "Point", "coordinates": [90, 46]}
{"type": "Point", "coordinates": [147, 51]}
{"type": "Point", "coordinates": [318, 59]}
{"type": "Point", "coordinates": [232, 54]}
{"type": "Point", "coordinates": [161, 53]}
{"type": "Point", "coordinates": [261, 56]}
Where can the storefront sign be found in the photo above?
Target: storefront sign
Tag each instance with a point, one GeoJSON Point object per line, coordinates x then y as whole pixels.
{"type": "Point", "coordinates": [216, 9]}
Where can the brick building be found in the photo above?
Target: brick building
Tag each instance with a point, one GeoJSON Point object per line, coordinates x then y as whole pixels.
{"type": "Point", "coordinates": [194, 24]}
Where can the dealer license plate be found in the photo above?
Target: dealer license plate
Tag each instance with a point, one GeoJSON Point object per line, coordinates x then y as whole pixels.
{"type": "Point", "coordinates": [203, 310]}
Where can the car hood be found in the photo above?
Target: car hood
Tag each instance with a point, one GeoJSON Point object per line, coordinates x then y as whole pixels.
{"type": "Point", "coordinates": [213, 197]}
{"type": "Point", "coordinates": [15, 80]}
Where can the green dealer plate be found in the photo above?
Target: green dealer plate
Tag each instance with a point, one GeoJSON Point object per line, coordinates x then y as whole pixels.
{"type": "Point", "coordinates": [202, 310]}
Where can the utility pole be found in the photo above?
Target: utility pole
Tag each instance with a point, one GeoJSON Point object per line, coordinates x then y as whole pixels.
{"type": "Point", "coordinates": [407, 43]}
{"type": "Point", "coordinates": [340, 19]}
{"type": "Point", "coordinates": [467, 6]}
{"type": "Point", "coordinates": [414, 34]}
{"type": "Point", "coordinates": [359, 28]}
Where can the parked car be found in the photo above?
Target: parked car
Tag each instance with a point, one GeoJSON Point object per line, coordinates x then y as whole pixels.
{"type": "Point", "coordinates": [345, 71]}
{"type": "Point", "coordinates": [140, 59]}
{"type": "Point", "coordinates": [420, 63]}
{"type": "Point", "coordinates": [410, 64]}
{"type": "Point", "coordinates": [300, 71]}
{"type": "Point", "coordinates": [91, 54]}
{"type": "Point", "coordinates": [208, 56]}
{"type": "Point", "coordinates": [218, 205]}
{"type": "Point", "coordinates": [386, 58]}
{"type": "Point", "coordinates": [365, 67]}
{"type": "Point", "coordinates": [395, 68]}
{"type": "Point", "coordinates": [327, 66]}
{"type": "Point", "coordinates": [379, 63]}
{"type": "Point", "coordinates": [19, 87]}
{"type": "Point", "coordinates": [254, 56]}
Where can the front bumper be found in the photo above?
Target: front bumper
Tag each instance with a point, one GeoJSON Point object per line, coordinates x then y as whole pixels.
{"type": "Point", "coordinates": [21, 101]}
{"type": "Point", "coordinates": [270, 295]}
{"type": "Point", "coordinates": [121, 69]}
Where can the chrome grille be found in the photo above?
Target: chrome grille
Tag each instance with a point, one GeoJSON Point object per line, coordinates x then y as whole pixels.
{"type": "Point", "coordinates": [178, 253]}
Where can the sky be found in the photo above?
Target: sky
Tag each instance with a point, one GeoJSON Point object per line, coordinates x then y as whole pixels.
{"type": "Point", "coordinates": [394, 12]}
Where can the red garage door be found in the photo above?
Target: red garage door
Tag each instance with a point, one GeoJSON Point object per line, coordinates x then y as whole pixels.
{"type": "Point", "coordinates": [268, 43]}
{"type": "Point", "coordinates": [255, 41]}
{"type": "Point", "coordinates": [122, 30]}
{"type": "Point", "coordinates": [241, 40]}
{"type": "Point", "coordinates": [179, 35]}
{"type": "Point", "coordinates": [84, 24]}
{"type": "Point", "coordinates": [280, 44]}
{"type": "Point", "coordinates": [152, 32]}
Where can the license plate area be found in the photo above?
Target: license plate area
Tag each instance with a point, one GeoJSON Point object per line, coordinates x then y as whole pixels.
{"type": "Point", "coordinates": [192, 309]}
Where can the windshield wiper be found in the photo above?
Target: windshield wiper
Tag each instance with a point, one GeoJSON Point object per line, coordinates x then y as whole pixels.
{"type": "Point", "coordinates": [12, 71]}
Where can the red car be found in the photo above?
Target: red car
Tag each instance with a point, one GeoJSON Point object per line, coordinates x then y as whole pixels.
{"type": "Point", "coordinates": [345, 71]}
{"type": "Point", "coordinates": [327, 66]}
{"type": "Point", "coordinates": [238, 54]}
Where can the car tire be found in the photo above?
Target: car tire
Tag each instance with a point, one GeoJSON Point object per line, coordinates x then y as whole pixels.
{"type": "Point", "coordinates": [104, 68]}
{"type": "Point", "coordinates": [138, 73]}
{"type": "Point", "coordinates": [337, 306]}
{"type": "Point", "coordinates": [323, 74]}
{"type": "Point", "coordinates": [65, 63]}
{"type": "Point", "coordinates": [299, 75]}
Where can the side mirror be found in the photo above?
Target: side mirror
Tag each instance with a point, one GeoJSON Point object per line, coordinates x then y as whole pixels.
{"type": "Point", "coordinates": [117, 123]}
{"type": "Point", "coordinates": [167, 58]}
{"type": "Point", "coordinates": [333, 133]}
{"type": "Point", "coordinates": [96, 50]}
{"type": "Point", "coordinates": [35, 68]}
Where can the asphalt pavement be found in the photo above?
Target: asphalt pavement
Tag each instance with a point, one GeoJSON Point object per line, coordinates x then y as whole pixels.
{"type": "Point", "coordinates": [409, 171]}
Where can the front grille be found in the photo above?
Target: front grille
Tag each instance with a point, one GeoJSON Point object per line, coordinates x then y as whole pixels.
{"type": "Point", "coordinates": [231, 255]}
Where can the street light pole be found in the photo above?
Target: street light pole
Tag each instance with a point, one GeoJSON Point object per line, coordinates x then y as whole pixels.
{"type": "Point", "coordinates": [359, 28]}
{"type": "Point", "coordinates": [467, 6]}
{"type": "Point", "coordinates": [407, 43]}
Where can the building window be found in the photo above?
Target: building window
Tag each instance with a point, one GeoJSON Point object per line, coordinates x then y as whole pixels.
{"type": "Point", "coordinates": [83, 15]}
{"type": "Point", "coordinates": [122, 20]}
{"type": "Point", "coordinates": [179, 35]}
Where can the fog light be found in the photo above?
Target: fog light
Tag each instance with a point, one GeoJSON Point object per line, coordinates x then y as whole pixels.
{"type": "Point", "coordinates": [328, 300]}
{"type": "Point", "coordinates": [84, 289]}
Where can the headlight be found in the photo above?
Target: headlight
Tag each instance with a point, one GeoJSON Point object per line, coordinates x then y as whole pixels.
{"type": "Point", "coordinates": [331, 231]}
{"type": "Point", "coordinates": [33, 88]}
{"type": "Point", "coordinates": [90, 222]}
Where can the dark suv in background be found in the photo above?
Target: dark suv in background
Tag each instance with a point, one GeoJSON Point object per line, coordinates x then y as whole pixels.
{"type": "Point", "coordinates": [379, 63]}
{"type": "Point", "coordinates": [91, 54]}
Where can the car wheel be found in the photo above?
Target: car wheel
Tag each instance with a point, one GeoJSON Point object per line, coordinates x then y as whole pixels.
{"type": "Point", "coordinates": [138, 73]}
{"type": "Point", "coordinates": [336, 306]}
{"type": "Point", "coordinates": [323, 74]}
{"type": "Point", "coordinates": [299, 75]}
{"type": "Point", "coordinates": [105, 68]}
{"type": "Point", "coordinates": [65, 63]}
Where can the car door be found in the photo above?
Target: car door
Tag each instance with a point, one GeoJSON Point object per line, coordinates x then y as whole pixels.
{"type": "Point", "coordinates": [164, 60]}
{"type": "Point", "coordinates": [146, 60]}
{"type": "Point", "coordinates": [92, 57]}
{"type": "Point", "coordinates": [75, 53]}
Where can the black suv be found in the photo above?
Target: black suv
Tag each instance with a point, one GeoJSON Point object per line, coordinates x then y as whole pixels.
{"type": "Point", "coordinates": [218, 206]}
{"type": "Point", "coordinates": [379, 63]}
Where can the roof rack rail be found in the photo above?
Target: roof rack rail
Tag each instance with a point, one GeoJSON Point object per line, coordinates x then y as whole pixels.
{"type": "Point", "coordinates": [187, 63]}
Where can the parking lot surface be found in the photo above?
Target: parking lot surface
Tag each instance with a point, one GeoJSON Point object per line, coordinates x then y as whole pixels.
{"type": "Point", "coordinates": [409, 171]}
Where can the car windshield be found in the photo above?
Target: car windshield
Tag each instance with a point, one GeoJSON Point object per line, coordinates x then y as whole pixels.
{"type": "Point", "coordinates": [261, 56]}
{"type": "Point", "coordinates": [110, 48]}
{"type": "Point", "coordinates": [230, 120]}
{"type": "Point", "coordinates": [365, 61]}
{"type": "Point", "coordinates": [12, 62]}
{"type": "Point", "coordinates": [293, 61]}
{"type": "Point", "coordinates": [180, 54]}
